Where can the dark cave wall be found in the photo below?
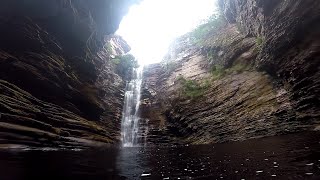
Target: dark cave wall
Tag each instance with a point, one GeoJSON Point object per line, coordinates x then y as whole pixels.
{"type": "Point", "coordinates": [58, 84]}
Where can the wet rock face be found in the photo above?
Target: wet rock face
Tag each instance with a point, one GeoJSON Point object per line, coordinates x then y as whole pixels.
{"type": "Point", "coordinates": [290, 45]}
{"type": "Point", "coordinates": [57, 77]}
{"type": "Point", "coordinates": [26, 120]}
{"type": "Point", "coordinates": [269, 83]}
{"type": "Point", "coordinates": [71, 22]}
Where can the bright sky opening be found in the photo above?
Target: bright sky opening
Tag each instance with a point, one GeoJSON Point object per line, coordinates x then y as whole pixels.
{"type": "Point", "coordinates": [152, 25]}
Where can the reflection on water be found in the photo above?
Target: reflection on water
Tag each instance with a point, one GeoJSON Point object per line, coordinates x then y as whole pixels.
{"type": "Point", "coordinates": [285, 157]}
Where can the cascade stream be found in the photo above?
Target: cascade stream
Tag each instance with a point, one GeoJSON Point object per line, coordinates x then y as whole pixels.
{"type": "Point", "coordinates": [130, 118]}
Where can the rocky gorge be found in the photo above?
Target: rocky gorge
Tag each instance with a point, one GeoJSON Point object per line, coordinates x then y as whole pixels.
{"type": "Point", "coordinates": [59, 85]}
{"type": "Point", "coordinates": [255, 74]}
{"type": "Point", "coordinates": [251, 72]}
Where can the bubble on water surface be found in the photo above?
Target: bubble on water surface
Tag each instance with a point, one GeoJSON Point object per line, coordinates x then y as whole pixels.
{"type": "Point", "coordinates": [145, 174]}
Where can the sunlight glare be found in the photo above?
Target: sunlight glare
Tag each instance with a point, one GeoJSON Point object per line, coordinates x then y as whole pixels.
{"type": "Point", "coordinates": [152, 25]}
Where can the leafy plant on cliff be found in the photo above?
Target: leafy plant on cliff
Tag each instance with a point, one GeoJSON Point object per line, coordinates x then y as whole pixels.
{"type": "Point", "coordinates": [238, 68]}
{"type": "Point", "coordinates": [191, 88]}
{"type": "Point", "coordinates": [214, 22]}
{"type": "Point", "coordinates": [259, 43]}
{"type": "Point", "coordinates": [125, 63]}
{"type": "Point", "coordinates": [210, 56]}
{"type": "Point", "coordinates": [109, 47]}
{"type": "Point", "coordinates": [217, 71]}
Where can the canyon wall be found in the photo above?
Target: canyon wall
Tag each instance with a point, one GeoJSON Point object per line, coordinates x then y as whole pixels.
{"type": "Point", "coordinates": [59, 86]}
{"type": "Point", "coordinates": [256, 75]}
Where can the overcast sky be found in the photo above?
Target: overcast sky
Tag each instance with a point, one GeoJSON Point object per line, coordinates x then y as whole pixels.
{"type": "Point", "coordinates": [150, 27]}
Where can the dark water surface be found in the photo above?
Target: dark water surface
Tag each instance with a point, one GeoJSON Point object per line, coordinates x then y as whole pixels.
{"type": "Point", "coordinates": [283, 157]}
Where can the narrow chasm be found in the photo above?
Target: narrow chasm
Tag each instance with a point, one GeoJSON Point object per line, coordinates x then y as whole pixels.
{"type": "Point", "coordinates": [85, 92]}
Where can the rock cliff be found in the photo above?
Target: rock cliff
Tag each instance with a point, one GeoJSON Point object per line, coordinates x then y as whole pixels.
{"type": "Point", "coordinates": [59, 86]}
{"type": "Point", "coordinates": [255, 75]}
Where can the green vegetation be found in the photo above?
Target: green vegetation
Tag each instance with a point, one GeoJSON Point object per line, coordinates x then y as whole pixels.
{"type": "Point", "coordinates": [116, 61]}
{"type": "Point", "coordinates": [109, 47]}
{"type": "Point", "coordinates": [210, 56]}
{"type": "Point", "coordinates": [217, 71]}
{"type": "Point", "coordinates": [238, 68]}
{"type": "Point", "coordinates": [259, 43]}
{"type": "Point", "coordinates": [125, 63]}
{"type": "Point", "coordinates": [191, 88]}
{"type": "Point", "coordinates": [200, 34]}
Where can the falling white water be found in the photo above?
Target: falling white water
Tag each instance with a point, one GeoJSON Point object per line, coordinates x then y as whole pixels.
{"type": "Point", "coordinates": [130, 118]}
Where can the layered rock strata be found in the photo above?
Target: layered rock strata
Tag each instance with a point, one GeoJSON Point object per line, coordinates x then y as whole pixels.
{"type": "Point", "coordinates": [256, 76]}
{"type": "Point", "coordinates": [59, 86]}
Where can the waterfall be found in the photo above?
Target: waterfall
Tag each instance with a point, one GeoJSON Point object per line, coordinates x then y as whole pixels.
{"type": "Point", "coordinates": [130, 118]}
